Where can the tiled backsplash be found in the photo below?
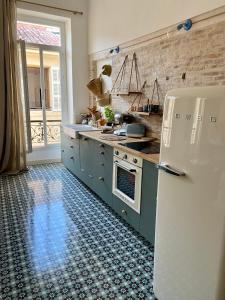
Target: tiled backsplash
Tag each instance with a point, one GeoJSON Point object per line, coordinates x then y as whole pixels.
{"type": "Point", "coordinates": [199, 53]}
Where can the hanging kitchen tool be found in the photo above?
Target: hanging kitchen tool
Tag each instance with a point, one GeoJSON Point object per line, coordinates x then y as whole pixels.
{"type": "Point", "coordinates": [118, 87]}
{"type": "Point", "coordinates": [101, 86]}
{"type": "Point", "coordinates": [95, 86]}
{"type": "Point", "coordinates": [107, 70]}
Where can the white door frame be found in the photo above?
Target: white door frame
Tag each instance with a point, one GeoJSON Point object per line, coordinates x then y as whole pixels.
{"type": "Point", "coordinates": [62, 54]}
{"type": "Point", "coordinates": [24, 91]}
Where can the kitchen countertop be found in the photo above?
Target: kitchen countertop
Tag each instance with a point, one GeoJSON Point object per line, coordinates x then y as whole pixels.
{"type": "Point", "coordinates": [154, 158]}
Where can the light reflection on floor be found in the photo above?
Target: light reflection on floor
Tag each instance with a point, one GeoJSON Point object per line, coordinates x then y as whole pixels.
{"type": "Point", "coordinates": [60, 241]}
{"type": "Point", "coordinates": [47, 226]}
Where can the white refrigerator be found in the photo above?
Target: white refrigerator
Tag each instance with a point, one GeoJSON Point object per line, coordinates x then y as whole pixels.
{"type": "Point", "coordinates": [190, 221]}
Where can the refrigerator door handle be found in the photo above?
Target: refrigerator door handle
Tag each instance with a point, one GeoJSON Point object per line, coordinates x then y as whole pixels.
{"type": "Point", "coordinates": [166, 168]}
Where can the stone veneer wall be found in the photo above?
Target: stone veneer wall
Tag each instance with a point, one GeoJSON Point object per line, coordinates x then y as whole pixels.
{"type": "Point", "coordinates": [200, 53]}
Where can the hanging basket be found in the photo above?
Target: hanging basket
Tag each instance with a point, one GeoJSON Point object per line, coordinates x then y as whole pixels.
{"type": "Point", "coordinates": [95, 86]}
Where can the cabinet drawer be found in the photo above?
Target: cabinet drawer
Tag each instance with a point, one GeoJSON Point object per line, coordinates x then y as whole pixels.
{"type": "Point", "coordinates": [127, 213]}
{"type": "Point", "coordinates": [66, 140]}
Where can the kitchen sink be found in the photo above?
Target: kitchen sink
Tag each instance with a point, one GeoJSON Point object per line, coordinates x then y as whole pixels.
{"type": "Point", "coordinates": [74, 129]}
{"type": "Point", "coordinates": [148, 147]}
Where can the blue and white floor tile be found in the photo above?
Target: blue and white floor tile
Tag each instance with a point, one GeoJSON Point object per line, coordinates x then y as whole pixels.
{"type": "Point", "coordinates": [58, 240]}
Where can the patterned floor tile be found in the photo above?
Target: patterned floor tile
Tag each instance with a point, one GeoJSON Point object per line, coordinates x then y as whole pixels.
{"type": "Point", "coordinates": [60, 241]}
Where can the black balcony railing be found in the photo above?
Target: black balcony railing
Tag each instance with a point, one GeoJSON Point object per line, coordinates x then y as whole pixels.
{"type": "Point", "coordinates": [53, 132]}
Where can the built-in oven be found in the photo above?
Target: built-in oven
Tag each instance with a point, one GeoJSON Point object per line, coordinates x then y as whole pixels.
{"type": "Point", "coordinates": [127, 176]}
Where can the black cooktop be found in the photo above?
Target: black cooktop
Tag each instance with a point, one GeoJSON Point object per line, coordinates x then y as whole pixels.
{"type": "Point", "coordinates": [147, 147]}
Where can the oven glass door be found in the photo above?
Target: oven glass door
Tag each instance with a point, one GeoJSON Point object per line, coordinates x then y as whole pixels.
{"type": "Point", "coordinates": [127, 183]}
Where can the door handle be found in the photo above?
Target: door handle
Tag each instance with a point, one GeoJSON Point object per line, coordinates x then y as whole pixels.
{"type": "Point", "coordinates": [170, 170]}
{"type": "Point", "coordinates": [123, 167]}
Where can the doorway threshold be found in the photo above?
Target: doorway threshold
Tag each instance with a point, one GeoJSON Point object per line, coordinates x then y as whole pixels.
{"type": "Point", "coordinates": [48, 154]}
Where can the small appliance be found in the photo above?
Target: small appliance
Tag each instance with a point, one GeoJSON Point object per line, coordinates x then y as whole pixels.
{"type": "Point", "coordinates": [136, 130]}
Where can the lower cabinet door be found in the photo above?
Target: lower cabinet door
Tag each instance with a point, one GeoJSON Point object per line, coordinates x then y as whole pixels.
{"type": "Point", "coordinates": [70, 153]}
{"type": "Point", "coordinates": [65, 157]}
{"type": "Point", "coordinates": [148, 201]}
{"type": "Point", "coordinates": [103, 187]}
{"type": "Point", "coordinates": [103, 168]}
{"type": "Point", "coordinates": [127, 213]}
{"type": "Point", "coordinates": [87, 157]}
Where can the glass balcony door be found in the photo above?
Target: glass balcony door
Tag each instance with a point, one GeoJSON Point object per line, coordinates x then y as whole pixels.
{"type": "Point", "coordinates": [44, 88]}
{"type": "Point", "coordinates": [43, 74]}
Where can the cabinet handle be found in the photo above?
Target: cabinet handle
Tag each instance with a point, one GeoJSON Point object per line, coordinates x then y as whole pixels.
{"type": "Point", "coordinates": [101, 145]}
{"type": "Point", "coordinates": [62, 150]}
{"type": "Point", "coordinates": [71, 147]}
{"type": "Point", "coordinates": [101, 178]}
{"type": "Point", "coordinates": [102, 152]}
{"type": "Point", "coordinates": [71, 157]}
{"type": "Point", "coordinates": [102, 164]}
{"type": "Point", "coordinates": [85, 139]}
{"type": "Point", "coordinates": [124, 212]}
{"type": "Point", "coordinates": [71, 138]}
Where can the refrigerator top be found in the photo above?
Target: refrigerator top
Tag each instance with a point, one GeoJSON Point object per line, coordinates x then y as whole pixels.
{"type": "Point", "coordinates": [193, 125]}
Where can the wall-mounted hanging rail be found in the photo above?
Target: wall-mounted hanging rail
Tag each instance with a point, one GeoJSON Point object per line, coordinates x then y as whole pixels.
{"type": "Point", "coordinates": [53, 7]}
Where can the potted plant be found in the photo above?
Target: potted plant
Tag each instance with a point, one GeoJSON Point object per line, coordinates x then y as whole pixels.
{"type": "Point", "coordinates": [109, 115]}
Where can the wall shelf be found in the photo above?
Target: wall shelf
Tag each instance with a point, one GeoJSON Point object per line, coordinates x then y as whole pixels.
{"type": "Point", "coordinates": [142, 113]}
{"type": "Point", "coordinates": [127, 93]}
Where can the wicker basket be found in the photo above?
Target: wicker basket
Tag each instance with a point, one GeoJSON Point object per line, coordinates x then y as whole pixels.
{"type": "Point", "coordinates": [95, 86]}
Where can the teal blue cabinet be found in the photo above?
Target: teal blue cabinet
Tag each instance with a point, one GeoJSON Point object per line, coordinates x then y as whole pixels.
{"type": "Point", "coordinates": [103, 168]}
{"type": "Point", "coordinates": [96, 161]}
{"type": "Point", "coordinates": [70, 153]}
{"type": "Point", "coordinates": [87, 157]}
{"type": "Point", "coordinates": [148, 201]}
{"type": "Point", "coordinates": [92, 162]}
{"type": "Point", "coordinates": [127, 213]}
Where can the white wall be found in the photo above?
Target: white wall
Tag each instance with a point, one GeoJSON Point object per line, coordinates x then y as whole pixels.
{"type": "Point", "coordinates": [112, 22]}
{"type": "Point", "coordinates": [77, 69]}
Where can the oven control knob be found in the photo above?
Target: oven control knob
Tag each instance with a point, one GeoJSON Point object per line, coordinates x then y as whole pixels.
{"type": "Point", "coordinates": [117, 152]}
{"type": "Point", "coordinates": [135, 160]}
{"type": "Point", "coordinates": [125, 156]}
